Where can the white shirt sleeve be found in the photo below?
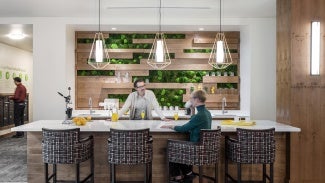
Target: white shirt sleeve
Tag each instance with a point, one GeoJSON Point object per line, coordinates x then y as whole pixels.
{"type": "Point", "coordinates": [126, 106]}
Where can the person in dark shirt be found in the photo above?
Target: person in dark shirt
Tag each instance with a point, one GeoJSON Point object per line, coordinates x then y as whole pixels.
{"type": "Point", "coordinates": [19, 105]}
{"type": "Point", "coordinates": [201, 120]}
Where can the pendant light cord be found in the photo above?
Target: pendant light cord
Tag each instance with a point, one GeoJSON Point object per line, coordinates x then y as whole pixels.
{"type": "Point", "coordinates": [220, 18]}
{"type": "Point", "coordinates": [99, 15]}
{"type": "Point", "coordinates": [160, 17]}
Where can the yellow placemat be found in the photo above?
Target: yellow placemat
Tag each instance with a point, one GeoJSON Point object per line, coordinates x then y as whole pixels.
{"type": "Point", "coordinates": [239, 123]}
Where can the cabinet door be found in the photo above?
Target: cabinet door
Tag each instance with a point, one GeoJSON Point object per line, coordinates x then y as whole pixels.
{"type": "Point", "coordinates": [11, 112]}
{"type": "Point", "coordinates": [6, 111]}
{"type": "Point", "coordinates": [26, 110]}
{"type": "Point", "coordinates": [1, 111]}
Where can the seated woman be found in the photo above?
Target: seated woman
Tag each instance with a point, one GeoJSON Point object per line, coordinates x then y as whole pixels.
{"type": "Point", "coordinates": [141, 101]}
{"type": "Point", "coordinates": [201, 120]}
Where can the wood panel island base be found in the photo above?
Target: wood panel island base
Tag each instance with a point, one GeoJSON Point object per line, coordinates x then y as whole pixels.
{"type": "Point", "coordinates": [100, 130]}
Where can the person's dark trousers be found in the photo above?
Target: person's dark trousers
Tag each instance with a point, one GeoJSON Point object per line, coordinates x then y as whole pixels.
{"type": "Point", "coordinates": [176, 169]}
{"type": "Point", "coordinates": [19, 116]}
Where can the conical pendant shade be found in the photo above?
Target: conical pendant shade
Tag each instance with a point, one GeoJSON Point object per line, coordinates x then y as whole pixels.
{"type": "Point", "coordinates": [98, 56]}
{"type": "Point", "coordinates": [159, 56]}
{"type": "Point", "coordinates": [220, 56]}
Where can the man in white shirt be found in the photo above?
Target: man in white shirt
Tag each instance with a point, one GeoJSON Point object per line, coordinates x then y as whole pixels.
{"type": "Point", "coordinates": [142, 101]}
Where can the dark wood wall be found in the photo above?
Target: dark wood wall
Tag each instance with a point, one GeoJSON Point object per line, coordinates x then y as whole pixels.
{"type": "Point", "coordinates": [301, 97]}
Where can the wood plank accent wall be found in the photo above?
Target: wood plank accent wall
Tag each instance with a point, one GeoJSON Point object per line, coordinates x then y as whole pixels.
{"type": "Point", "coordinates": [98, 87]}
{"type": "Point", "coordinates": [301, 97]}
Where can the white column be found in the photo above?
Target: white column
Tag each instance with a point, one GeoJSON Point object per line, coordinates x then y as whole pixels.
{"type": "Point", "coordinates": [49, 70]}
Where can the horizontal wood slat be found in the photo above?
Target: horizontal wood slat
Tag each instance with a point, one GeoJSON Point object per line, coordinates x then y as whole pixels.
{"type": "Point", "coordinates": [220, 79]}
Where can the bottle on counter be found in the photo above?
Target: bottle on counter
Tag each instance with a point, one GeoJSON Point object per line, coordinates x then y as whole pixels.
{"type": "Point", "coordinates": [212, 89]}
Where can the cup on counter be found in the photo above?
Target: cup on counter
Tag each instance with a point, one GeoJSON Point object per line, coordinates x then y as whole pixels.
{"type": "Point", "coordinates": [171, 108]}
{"type": "Point", "coordinates": [165, 108]}
{"type": "Point", "coordinates": [176, 115]}
{"type": "Point", "coordinates": [236, 118]}
{"type": "Point", "coordinates": [247, 118]}
{"type": "Point", "coordinates": [114, 117]}
{"type": "Point", "coordinates": [176, 108]}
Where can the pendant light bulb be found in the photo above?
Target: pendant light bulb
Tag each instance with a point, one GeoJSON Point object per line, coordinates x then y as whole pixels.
{"type": "Point", "coordinates": [220, 52]}
{"type": "Point", "coordinates": [160, 51]}
{"type": "Point", "coordinates": [99, 51]}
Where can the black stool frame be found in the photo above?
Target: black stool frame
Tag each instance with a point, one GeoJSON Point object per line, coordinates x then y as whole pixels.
{"type": "Point", "coordinates": [205, 152]}
{"type": "Point", "coordinates": [130, 147]}
{"type": "Point", "coordinates": [66, 147]}
{"type": "Point", "coordinates": [251, 147]}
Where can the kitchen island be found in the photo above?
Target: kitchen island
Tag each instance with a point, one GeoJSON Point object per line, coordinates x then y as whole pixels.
{"type": "Point", "coordinates": [100, 130]}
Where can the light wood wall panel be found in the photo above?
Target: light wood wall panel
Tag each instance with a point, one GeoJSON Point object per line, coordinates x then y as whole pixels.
{"type": "Point", "coordinates": [99, 87]}
{"type": "Point", "coordinates": [300, 97]}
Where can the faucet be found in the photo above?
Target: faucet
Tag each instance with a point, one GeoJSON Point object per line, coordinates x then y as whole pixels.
{"type": "Point", "coordinates": [223, 105]}
{"type": "Point", "coordinates": [90, 104]}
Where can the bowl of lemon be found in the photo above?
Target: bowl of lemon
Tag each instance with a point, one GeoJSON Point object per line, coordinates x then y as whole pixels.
{"type": "Point", "coordinates": [80, 121]}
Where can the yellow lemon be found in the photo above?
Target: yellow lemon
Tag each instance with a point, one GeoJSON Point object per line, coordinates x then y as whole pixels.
{"type": "Point", "coordinates": [79, 121]}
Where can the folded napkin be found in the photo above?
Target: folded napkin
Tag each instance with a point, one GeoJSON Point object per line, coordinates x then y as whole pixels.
{"type": "Point", "coordinates": [238, 123]}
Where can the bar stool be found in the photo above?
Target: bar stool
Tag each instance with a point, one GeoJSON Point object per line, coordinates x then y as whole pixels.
{"type": "Point", "coordinates": [251, 147]}
{"type": "Point", "coordinates": [205, 152]}
{"type": "Point", "coordinates": [130, 147]}
{"type": "Point", "coordinates": [66, 147]}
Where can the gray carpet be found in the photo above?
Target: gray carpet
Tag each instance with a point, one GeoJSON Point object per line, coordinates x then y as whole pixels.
{"type": "Point", "coordinates": [13, 160]}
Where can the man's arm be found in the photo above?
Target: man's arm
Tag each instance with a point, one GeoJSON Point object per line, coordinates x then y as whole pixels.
{"type": "Point", "coordinates": [126, 106]}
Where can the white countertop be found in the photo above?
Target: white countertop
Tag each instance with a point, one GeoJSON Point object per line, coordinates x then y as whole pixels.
{"type": "Point", "coordinates": [168, 113]}
{"type": "Point", "coordinates": [154, 125]}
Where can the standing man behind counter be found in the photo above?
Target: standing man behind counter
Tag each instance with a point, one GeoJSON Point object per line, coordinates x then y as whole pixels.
{"type": "Point", "coordinates": [19, 105]}
{"type": "Point", "coordinates": [142, 100]}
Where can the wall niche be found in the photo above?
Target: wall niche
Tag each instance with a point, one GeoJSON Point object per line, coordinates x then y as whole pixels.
{"type": "Point", "coordinates": [189, 70]}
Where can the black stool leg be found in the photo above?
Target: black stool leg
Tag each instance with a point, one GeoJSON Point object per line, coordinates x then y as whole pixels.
{"type": "Point", "coordinates": [54, 173]}
{"type": "Point", "coordinates": [150, 174]}
{"type": "Point", "coordinates": [226, 161]}
{"type": "Point", "coordinates": [216, 173]}
{"type": "Point", "coordinates": [239, 172]}
{"type": "Point", "coordinates": [271, 173]}
{"type": "Point", "coordinates": [77, 173]}
{"type": "Point", "coordinates": [146, 173]}
{"type": "Point", "coordinates": [113, 178]}
{"type": "Point", "coordinates": [168, 171]}
{"type": "Point", "coordinates": [92, 169]}
{"type": "Point", "coordinates": [46, 172]}
{"type": "Point", "coordinates": [264, 173]}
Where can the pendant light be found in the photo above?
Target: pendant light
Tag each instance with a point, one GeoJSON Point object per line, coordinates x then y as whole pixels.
{"type": "Point", "coordinates": [220, 57]}
{"type": "Point", "coordinates": [98, 56]}
{"type": "Point", "coordinates": [159, 56]}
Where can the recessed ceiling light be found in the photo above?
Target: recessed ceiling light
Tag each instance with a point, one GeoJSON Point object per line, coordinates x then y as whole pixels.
{"type": "Point", "coordinates": [16, 35]}
{"type": "Point", "coordinates": [114, 28]}
{"type": "Point", "coordinates": [201, 29]}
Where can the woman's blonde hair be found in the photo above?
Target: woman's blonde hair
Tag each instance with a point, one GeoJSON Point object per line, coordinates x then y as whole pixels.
{"type": "Point", "coordinates": [200, 94]}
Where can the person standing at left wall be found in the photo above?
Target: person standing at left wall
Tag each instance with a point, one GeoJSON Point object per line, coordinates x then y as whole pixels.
{"type": "Point", "coordinates": [19, 105]}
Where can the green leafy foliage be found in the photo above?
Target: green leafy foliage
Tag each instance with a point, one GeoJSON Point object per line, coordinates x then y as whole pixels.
{"type": "Point", "coordinates": [95, 73]}
{"type": "Point", "coordinates": [172, 76]}
{"type": "Point", "coordinates": [170, 97]}
{"type": "Point", "coordinates": [227, 85]}
{"type": "Point", "coordinates": [121, 97]}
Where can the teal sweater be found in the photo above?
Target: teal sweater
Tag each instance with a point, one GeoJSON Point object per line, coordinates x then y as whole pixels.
{"type": "Point", "coordinates": [202, 120]}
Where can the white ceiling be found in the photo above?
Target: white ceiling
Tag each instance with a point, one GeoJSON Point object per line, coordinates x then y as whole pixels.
{"type": "Point", "coordinates": [129, 10]}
